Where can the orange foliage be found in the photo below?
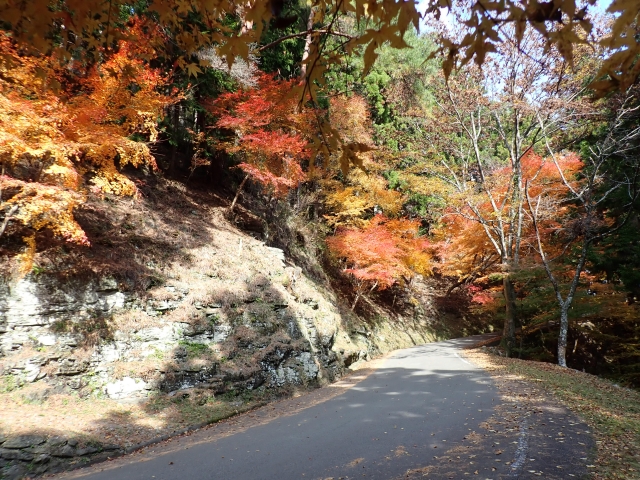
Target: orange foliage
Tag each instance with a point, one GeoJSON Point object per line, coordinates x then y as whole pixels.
{"type": "Point", "coordinates": [350, 116]}
{"type": "Point", "coordinates": [466, 251]}
{"type": "Point", "coordinates": [272, 132]}
{"type": "Point", "coordinates": [59, 127]}
{"type": "Point", "coordinates": [383, 251]}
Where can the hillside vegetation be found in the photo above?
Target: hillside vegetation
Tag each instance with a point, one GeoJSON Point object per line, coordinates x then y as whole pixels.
{"type": "Point", "coordinates": [205, 202]}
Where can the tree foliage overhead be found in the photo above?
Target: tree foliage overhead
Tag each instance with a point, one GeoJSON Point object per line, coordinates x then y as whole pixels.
{"type": "Point", "coordinates": [72, 26]}
{"type": "Point", "coordinates": [54, 145]}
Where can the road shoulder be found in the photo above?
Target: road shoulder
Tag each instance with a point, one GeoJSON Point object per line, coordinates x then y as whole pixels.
{"type": "Point", "coordinates": [530, 435]}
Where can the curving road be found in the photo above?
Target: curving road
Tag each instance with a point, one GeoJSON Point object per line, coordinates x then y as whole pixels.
{"type": "Point", "coordinates": [423, 412]}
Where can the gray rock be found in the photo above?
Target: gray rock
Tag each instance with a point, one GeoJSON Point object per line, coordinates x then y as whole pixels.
{"type": "Point", "coordinates": [57, 441]}
{"type": "Point", "coordinates": [70, 367]}
{"type": "Point", "coordinates": [40, 469]}
{"type": "Point", "coordinates": [164, 305]}
{"type": "Point", "coordinates": [196, 329]}
{"type": "Point", "coordinates": [309, 365]}
{"type": "Point", "coordinates": [86, 451]}
{"type": "Point", "coordinates": [73, 442]}
{"type": "Point", "coordinates": [69, 341]}
{"type": "Point", "coordinates": [42, 458]}
{"type": "Point", "coordinates": [76, 383]}
{"type": "Point", "coordinates": [66, 451]}
{"type": "Point", "coordinates": [24, 441]}
{"type": "Point", "coordinates": [110, 447]}
{"type": "Point", "coordinates": [221, 332]}
{"type": "Point", "coordinates": [54, 356]}
{"type": "Point", "coordinates": [14, 472]}
{"type": "Point", "coordinates": [33, 374]}
{"type": "Point", "coordinates": [107, 284]}
{"type": "Point", "coordinates": [124, 388]}
{"type": "Point", "coordinates": [15, 454]}
{"type": "Point", "coordinates": [149, 334]}
{"type": "Point", "coordinates": [109, 353]}
{"type": "Point", "coordinates": [48, 340]}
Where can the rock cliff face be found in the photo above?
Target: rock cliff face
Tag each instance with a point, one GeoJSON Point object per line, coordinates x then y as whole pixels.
{"type": "Point", "coordinates": [267, 329]}
{"type": "Point", "coordinates": [229, 317]}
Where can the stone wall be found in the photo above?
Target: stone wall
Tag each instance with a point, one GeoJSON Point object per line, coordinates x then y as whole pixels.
{"type": "Point", "coordinates": [269, 332]}
{"type": "Point", "coordinates": [31, 455]}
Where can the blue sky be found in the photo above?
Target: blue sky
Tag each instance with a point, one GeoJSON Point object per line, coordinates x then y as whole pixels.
{"type": "Point", "coordinates": [600, 7]}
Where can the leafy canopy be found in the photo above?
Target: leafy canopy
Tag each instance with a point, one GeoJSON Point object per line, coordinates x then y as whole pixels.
{"type": "Point", "coordinates": [88, 26]}
{"type": "Point", "coordinates": [55, 145]}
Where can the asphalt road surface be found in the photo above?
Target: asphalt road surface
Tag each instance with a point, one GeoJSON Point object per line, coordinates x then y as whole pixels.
{"type": "Point", "coordinates": [421, 413]}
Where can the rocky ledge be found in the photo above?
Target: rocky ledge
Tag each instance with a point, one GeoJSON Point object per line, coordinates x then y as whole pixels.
{"type": "Point", "coordinates": [32, 455]}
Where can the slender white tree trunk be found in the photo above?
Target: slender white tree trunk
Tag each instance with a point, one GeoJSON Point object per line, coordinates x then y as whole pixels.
{"type": "Point", "coordinates": [509, 330]}
{"type": "Point", "coordinates": [235, 199]}
{"type": "Point", "coordinates": [307, 45]}
{"type": "Point", "coordinates": [562, 337]}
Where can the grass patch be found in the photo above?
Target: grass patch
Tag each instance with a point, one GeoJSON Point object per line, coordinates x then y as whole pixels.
{"type": "Point", "coordinates": [8, 383]}
{"type": "Point", "coordinates": [195, 350]}
{"type": "Point", "coordinates": [196, 407]}
{"type": "Point", "coordinates": [612, 412]}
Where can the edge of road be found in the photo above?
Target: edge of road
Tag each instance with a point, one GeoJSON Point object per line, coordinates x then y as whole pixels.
{"type": "Point", "coordinates": [321, 394]}
{"type": "Point", "coordinates": [257, 414]}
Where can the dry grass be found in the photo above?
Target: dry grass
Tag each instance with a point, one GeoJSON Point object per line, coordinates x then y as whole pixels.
{"type": "Point", "coordinates": [128, 321]}
{"type": "Point", "coordinates": [110, 422]}
{"type": "Point", "coordinates": [612, 412]}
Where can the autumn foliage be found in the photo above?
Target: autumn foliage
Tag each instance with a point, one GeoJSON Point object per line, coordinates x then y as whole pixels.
{"type": "Point", "coordinates": [383, 252]}
{"type": "Point", "coordinates": [66, 130]}
{"type": "Point", "coordinates": [361, 191]}
{"type": "Point", "coordinates": [465, 251]}
{"type": "Point", "coordinates": [271, 132]}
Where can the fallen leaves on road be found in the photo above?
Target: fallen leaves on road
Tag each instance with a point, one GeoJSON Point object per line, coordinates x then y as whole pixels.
{"type": "Point", "coordinates": [611, 411]}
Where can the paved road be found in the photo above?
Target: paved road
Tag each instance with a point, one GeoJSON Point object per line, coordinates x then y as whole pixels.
{"type": "Point", "coordinates": [421, 409]}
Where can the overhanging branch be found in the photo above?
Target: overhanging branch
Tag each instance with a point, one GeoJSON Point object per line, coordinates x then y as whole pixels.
{"type": "Point", "coordinates": [303, 34]}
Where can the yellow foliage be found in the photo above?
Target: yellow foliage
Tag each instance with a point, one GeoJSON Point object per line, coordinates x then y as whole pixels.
{"type": "Point", "coordinates": [51, 142]}
{"type": "Point", "coordinates": [366, 192]}
{"type": "Point", "coordinates": [25, 259]}
{"type": "Point", "coordinates": [350, 116]}
{"type": "Point", "coordinates": [425, 185]}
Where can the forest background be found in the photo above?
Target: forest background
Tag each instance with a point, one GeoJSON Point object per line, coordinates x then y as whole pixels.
{"type": "Point", "coordinates": [496, 151]}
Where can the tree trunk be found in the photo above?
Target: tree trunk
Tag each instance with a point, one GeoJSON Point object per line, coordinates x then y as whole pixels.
{"type": "Point", "coordinates": [360, 293]}
{"type": "Point", "coordinates": [7, 218]}
{"type": "Point", "coordinates": [355, 302]}
{"type": "Point", "coordinates": [509, 331]}
{"type": "Point", "coordinates": [307, 45]}
{"type": "Point", "coordinates": [235, 199]}
{"type": "Point", "coordinates": [562, 337]}
{"type": "Point", "coordinates": [175, 114]}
